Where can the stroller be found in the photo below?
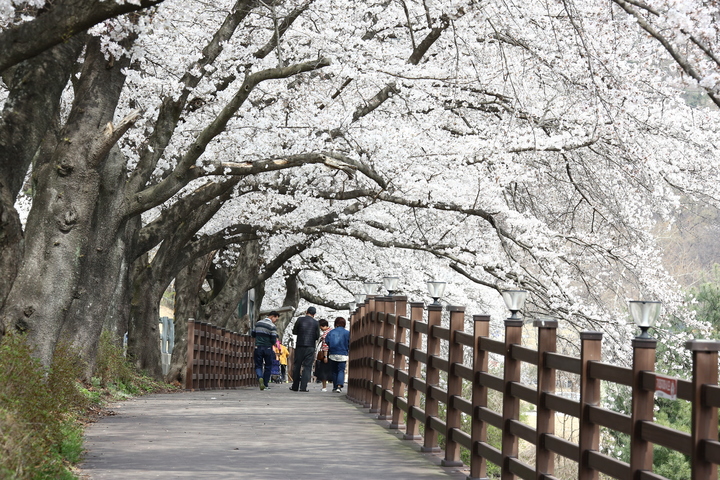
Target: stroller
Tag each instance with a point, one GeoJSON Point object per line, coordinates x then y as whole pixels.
{"type": "Point", "coordinates": [275, 373]}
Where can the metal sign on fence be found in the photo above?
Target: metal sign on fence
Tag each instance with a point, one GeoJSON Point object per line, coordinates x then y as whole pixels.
{"type": "Point", "coordinates": [666, 387]}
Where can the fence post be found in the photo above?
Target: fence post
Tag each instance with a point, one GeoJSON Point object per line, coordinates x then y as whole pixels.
{"type": "Point", "coordinates": [387, 359]}
{"type": "Point", "coordinates": [366, 348]}
{"type": "Point", "coordinates": [376, 363]}
{"type": "Point", "coordinates": [354, 354]}
{"type": "Point", "coordinates": [412, 431]}
{"type": "Point", "coordinates": [400, 339]}
{"type": "Point", "coordinates": [454, 389]}
{"type": "Point", "coordinates": [367, 313]}
{"type": "Point", "coordinates": [511, 405]}
{"type": "Point", "coordinates": [547, 342]}
{"type": "Point", "coordinates": [478, 433]}
{"type": "Point", "coordinates": [432, 378]}
{"type": "Point", "coordinates": [641, 451]}
{"type": "Point", "coordinates": [704, 418]}
{"type": "Point", "coordinates": [589, 439]}
{"type": "Point", "coordinates": [189, 370]}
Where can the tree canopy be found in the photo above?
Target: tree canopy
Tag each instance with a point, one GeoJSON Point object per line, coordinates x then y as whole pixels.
{"type": "Point", "coordinates": [316, 144]}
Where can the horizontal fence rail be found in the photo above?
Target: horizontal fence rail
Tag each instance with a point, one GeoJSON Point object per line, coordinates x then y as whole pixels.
{"type": "Point", "coordinates": [397, 371]}
{"type": "Point", "coordinates": [218, 358]}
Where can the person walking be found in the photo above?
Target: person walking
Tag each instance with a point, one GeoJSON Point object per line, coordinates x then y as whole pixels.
{"type": "Point", "coordinates": [265, 334]}
{"type": "Point", "coordinates": [338, 342]}
{"type": "Point", "coordinates": [282, 353]}
{"type": "Point", "coordinates": [322, 366]}
{"type": "Point", "coordinates": [307, 331]}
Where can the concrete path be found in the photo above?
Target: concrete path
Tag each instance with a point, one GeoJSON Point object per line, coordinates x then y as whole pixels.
{"type": "Point", "coordinates": [252, 434]}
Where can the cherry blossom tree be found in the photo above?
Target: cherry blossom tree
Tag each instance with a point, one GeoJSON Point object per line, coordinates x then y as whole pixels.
{"type": "Point", "coordinates": [534, 145]}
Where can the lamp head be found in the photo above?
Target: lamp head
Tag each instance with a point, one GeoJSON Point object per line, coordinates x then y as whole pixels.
{"type": "Point", "coordinates": [370, 288]}
{"type": "Point", "coordinates": [644, 314]}
{"type": "Point", "coordinates": [359, 297]}
{"type": "Point", "coordinates": [514, 301]}
{"type": "Point", "coordinates": [391, 284]}
{"type": "Point", "coordinates": [436, 290]}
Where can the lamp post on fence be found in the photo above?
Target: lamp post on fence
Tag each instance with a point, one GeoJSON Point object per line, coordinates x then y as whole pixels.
{"type": "Point", "coordinates": [436, 290]}
{"type": "Point", "coordinates": [515, 301]}
{"type": "Point", "coordinates": [359, 298]}
{"type": "Point", "coordinates": [644, 313]}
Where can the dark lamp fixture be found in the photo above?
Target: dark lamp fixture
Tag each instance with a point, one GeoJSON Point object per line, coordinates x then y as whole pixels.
{"type": "Point", "coordinates": [515, 301]}
{"type": "Point", "coordinates": [391, 284]}
{"type": "Point", "coordinates": [370, 288]}
{"type": "Point", "coordinates": [436, 290]}
{"type": "Point", "coordinates": [644, 314]}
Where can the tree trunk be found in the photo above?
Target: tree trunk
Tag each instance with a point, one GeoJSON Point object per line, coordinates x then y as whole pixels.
{"type": "Point", "coordinates": [59, 223]}
{"type": "Point", "coordinates": [102, 266]}
{"type": "Point", "coordinates": [32, 104]}
{"type": "Point", "coordinates": [221, 309]}
{"type": "Point", "coordinates": [143, 333]}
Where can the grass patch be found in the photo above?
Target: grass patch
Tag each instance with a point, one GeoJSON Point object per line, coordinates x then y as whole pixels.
{"type": "Point", "coordinates": [43, 409]}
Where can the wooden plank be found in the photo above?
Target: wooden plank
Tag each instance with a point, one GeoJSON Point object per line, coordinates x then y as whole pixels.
{"type": "Point", "coordinates": [461, 437]}
{"type": "Point", "coordinates": [524, 354]}
{"type": "Point", "coordinates": [610, 419]}
{"type": "Point", "coordinates": [490, 381]}
{"type": "Point", "coordinates": [403, 349]}
{"type": "Point", "coordinates": [465, 338]}
{"type": "Point", "coordinates": [608, 465]}
{"type": "Point", "coordinates": [437, 393]}
{"type": "Point", "coordinates": [523, 392]}
{"type": "Point", "coordinates": [519, 429]}
{"type": "Point", "coordinates": [419, 356]}
{"type": "Point", "coordinates": [437, 425]}
{"type": "Point", "coordinates": [463, 371]}
{"type": "Point", "coordinates": [520, 469]}
{"type": "Point", "coordinates": [562, 447]}
{"type": "Point", "coordinates": [666, 436]}
{"type": "Point", "coordinates": [610, 373]}
{"type": "Point", "coordinates": [439, 363]}
{"type": "Point", "coordinates": [463, 404]}
{"type": "Point", "coordinates": [561, 404]}
{"type": "Point", "coordinates": [404, 322]}
{"type": "Point", "coordinates": [563, 362]}
{"type": "Point", "coordinates": [710, 451]}
{"type": "Point", "coordinates": [491, 453]}
{"type": "Point", "coordinates": [490, 417]}
{"type": "Point", "coordinates": [492, 346]}
{"type": "Point", "coordinates": [441, 333]}
{"type": "Point", "coordinates": [421, 327]}
{"type": "Point", "coordinates": [711, 396]}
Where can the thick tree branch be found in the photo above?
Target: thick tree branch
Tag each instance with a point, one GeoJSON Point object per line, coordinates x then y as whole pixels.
{"type": "Point", "coordinates": [186, 170]}
{"type": "Point", "coordinates": [171, 107]}
{"type": "Point", "coordinates": [62, 20]}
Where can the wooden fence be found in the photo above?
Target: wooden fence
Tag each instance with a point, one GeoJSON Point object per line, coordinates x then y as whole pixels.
{"type": "Point", "coordinates": [390, 373]}
{"type": "Point", "coordinates": [218, 358]}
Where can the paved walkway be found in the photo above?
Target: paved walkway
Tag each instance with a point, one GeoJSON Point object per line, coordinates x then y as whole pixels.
{"type": "Point", "coordinates": [249, 434]}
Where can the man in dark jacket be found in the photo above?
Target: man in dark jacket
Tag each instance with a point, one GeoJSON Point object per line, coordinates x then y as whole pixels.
{"type": "Point", "coordinates": [307, 330]}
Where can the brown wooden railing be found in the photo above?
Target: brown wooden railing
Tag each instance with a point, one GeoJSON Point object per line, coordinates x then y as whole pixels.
{"type": "Point", "coordinates": [386, 368]}
{"type": "Point", "coordinates": [218, 358]}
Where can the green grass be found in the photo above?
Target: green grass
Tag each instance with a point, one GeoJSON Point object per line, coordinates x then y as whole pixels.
{"type": "Point", "coordinates": [42, 409]}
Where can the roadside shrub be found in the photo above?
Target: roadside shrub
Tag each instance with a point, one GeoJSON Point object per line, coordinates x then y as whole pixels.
{"type": "Point", "coordinates": [37, 410]}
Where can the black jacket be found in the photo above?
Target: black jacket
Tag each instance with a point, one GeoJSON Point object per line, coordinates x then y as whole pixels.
{"type": "Point", "coordinates": [307, 330]}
